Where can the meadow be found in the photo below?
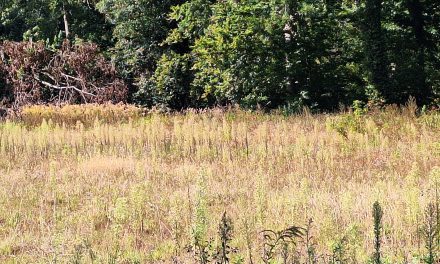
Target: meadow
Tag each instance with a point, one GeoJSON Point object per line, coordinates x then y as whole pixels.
{"type": "Point", "coordinates": [125, 187]}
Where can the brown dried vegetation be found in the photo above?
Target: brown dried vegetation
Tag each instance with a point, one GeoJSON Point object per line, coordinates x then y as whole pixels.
{"type": "Point", "coordinates": [76, 73]}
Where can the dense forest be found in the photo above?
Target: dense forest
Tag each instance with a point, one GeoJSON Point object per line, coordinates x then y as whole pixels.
{"type": "Point", "coordinates": [200, 53]}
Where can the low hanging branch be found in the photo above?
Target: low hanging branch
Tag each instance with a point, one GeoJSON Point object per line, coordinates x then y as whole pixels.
{"type": "Point", "coordinates": [81, 92]}
{"type": "Point", "coordinates": [73, 74]}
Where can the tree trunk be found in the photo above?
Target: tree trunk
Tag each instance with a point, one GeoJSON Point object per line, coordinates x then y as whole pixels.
{"type": "Point", "coordinates": [66, 23]}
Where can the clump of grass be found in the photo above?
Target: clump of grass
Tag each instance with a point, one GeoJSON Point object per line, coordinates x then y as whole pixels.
{"type": "Point", "coordinates": [86, 114]}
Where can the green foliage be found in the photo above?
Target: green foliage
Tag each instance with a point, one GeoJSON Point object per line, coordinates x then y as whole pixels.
{"type": "Point", "coordinates": [193, 17]}
{"type": "Point", "coordinates": [43, 20]}
{"type": "Point", "coordinates": [339, 251]}
{"type": "Point", "coordinates": [240, 57]}
{"type": "Point", "coordinates": [169, 84]}
{"type": "Point", "coordinates": [295, 106]}
{"type": "Point", "coordinates": [139, 29]}
{"type": "Point", "coordinates": [350, 122]}
{"type": "Point", "coordinates": [257, 54]}
{"type": "Point", "coordinates": [378, 227]}
{"type": "Point", "coordinates": [200, 226]}
{"type": "Point", "coordinates": [276, 240]}
{"type": "Point", "coordinates": [431, 232]}
{"type": "Point", "coordinates": [346, 246]}
{"type": "Point", "coordinates": [269, 53]}
{"type": "Point", "coordinates": [225, 233]}
{"type": "Point", "coordinates": [375, 50]}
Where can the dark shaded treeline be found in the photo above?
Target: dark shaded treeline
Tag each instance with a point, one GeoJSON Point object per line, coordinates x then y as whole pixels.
{"type": "Point", "coordinates": [272, 53]}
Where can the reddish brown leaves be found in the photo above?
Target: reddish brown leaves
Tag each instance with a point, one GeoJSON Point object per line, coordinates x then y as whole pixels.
{"type": "Point", "coordinates": [74, 74]}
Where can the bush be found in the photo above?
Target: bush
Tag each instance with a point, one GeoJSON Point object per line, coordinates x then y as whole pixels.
{"type": "Point", "coordinates": [74, 74]}
{"type": "Point", "coordinates": [168, 87]}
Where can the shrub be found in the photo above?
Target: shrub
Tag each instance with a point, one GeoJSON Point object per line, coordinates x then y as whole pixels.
{"type": "Point", "coordinates": [350, 122]}
{"type": "Point", "coordinates": [168, 86]}
{"type": "Point", "coordinates": [74, 74]}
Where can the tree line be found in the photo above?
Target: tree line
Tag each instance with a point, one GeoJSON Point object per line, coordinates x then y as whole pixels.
{"type": "Point", "coordinates": [200, 53]}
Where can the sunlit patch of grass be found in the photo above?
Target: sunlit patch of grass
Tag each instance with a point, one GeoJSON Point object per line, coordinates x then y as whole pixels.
{"type": "Point", "coordinates": [71, 115]}
{"type": "Point", "coordinates": [122, 187]}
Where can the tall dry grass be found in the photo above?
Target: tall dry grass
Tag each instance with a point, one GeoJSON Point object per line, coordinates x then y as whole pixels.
{"type": "Point", "coordinates": [140, 191]}
{"type": "Point", "coordinates": [87, 115]}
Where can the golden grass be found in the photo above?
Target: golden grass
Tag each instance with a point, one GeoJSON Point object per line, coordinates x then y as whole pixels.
{"type": "Point", "coordinates": [87, 114]}
{"type": "Point", "coordinates": [133, 191]}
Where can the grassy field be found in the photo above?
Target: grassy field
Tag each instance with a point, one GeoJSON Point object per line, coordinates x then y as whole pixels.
{"type": "Point", "coordinates": [153, 189]}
